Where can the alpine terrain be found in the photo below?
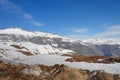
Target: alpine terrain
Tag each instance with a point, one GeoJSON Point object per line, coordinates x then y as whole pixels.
{"type": "Point", "coordinates": [36, 55]}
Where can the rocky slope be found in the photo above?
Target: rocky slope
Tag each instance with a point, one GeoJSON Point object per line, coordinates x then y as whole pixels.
{"type": "Point", "coordinates": [56, 72]}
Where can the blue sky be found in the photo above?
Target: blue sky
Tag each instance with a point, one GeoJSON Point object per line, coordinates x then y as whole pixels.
{"type": "Point", "coordinates": [74, 18]}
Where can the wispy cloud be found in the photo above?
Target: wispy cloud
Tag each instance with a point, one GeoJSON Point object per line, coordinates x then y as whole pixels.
{"type": "Point", "coordinates": [15, 9]}
{"type": "Point", "coordinates": [80, 30]}
{"type": "Point", "coordinates": [27, 16]}
{"type": "Point", "coordinates": [77, 33]}
{"type": "Point", "coordinates": [37, 23]}
{"type": "Point", "coordinates": [76, 30]}
{"type": "Point", "coordinates": [110, 32]}
{"type": "Point", "coordinates": [77, 36]}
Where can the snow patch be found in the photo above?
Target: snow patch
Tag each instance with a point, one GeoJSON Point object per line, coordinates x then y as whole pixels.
{"type": "Point", "coordinates": [51, 60]}
{"type": "Point", "coordinates": [33, 70]}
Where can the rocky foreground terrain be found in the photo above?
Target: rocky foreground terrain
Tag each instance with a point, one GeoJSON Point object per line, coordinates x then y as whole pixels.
{"type": "Point", "coordinates": [11, 71]}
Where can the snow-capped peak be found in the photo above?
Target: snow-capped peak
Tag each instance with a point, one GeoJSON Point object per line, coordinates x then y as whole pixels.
{"type": "Point", "coordinates": [19, 31]}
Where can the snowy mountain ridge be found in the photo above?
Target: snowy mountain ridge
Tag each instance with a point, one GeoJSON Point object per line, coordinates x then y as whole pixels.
{"type": "Point", "coordinates": [19, 31]}
{"type": "Point", "coordinates": [46, 43]}
{"type": "Point", "coordinates": [102, 41]}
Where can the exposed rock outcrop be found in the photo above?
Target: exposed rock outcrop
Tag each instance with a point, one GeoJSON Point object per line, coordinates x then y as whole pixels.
{"type": "Point", "coordinates": [96, 59]}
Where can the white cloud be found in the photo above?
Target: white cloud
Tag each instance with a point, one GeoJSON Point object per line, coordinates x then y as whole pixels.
{"type": "Point", "coordinates": [27, 16]}
{"type": "Point", "coordinates": [76, 36]}
{"type": "Point", "coordinates": [80, 30]}
{"type": "Point", "coordinates": [76, 30]}
{"type": "Point", "coordinates": [110, 32]}
{"type": "Point", "coordinates": [37, 23]}
{"type": "Point", "coordinates": [77, 33]}
{"type": "Point", "coordinates": [113, 28]}
{"type": "Point", "coordinates": [15, 9]}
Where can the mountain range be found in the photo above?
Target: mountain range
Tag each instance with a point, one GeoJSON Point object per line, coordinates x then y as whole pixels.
{"type": "Point", "coordinates": [45, 43]}
{"type": "Point", "coordinates": [34, 55]}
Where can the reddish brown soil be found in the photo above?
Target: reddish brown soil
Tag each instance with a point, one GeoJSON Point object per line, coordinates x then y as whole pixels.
{"type": "Point", "coordinates": [79, 58]}
{"type": "Point", "coordinates": [96, 59]}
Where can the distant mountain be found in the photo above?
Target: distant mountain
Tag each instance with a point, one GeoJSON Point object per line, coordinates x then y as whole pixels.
{"type": "Point", "coordinates": [18, 40]}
